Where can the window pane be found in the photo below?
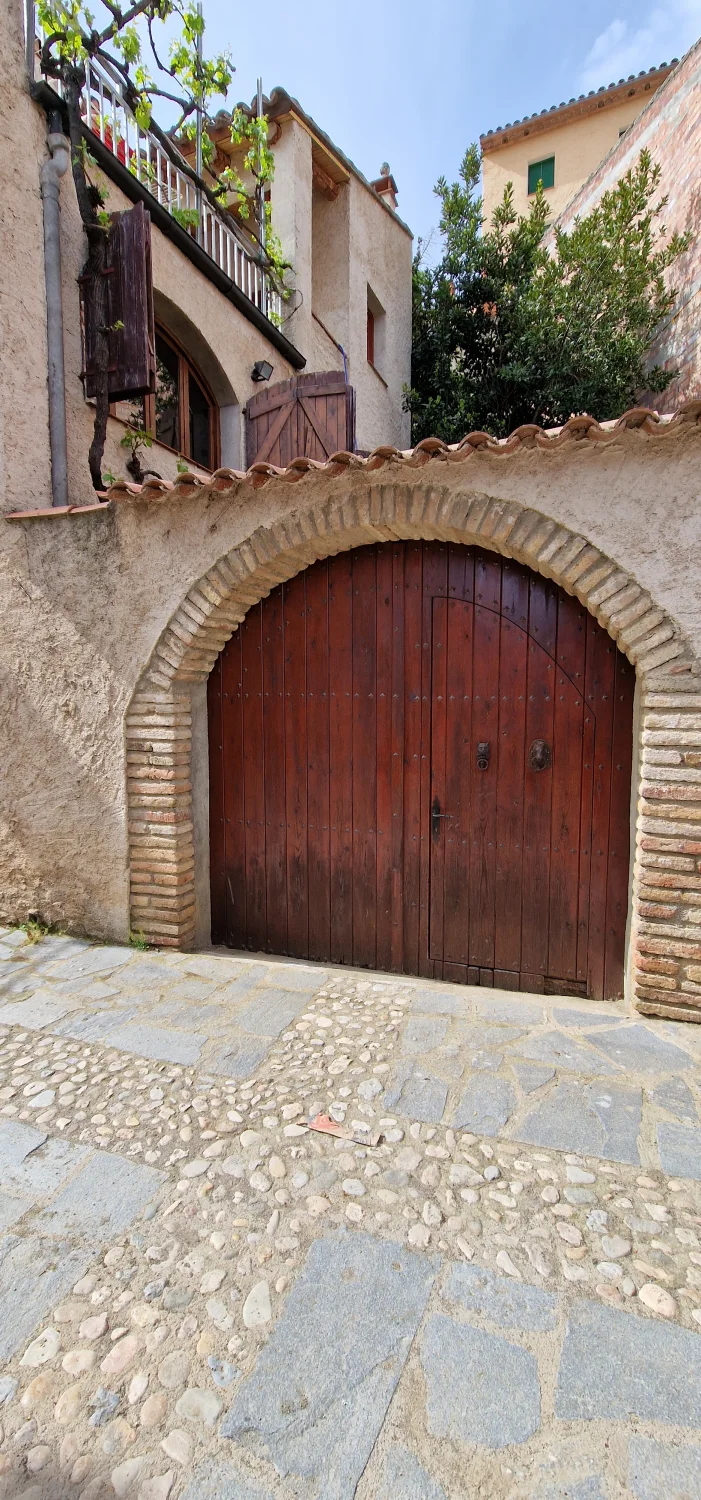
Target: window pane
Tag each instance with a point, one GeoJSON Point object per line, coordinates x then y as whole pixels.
{"type": "Point", "coordinates": [541, 171]}
{"type": "Point", "coordinates": [200, 451]}
{"type": "Point", "coordinates": [167, 389]}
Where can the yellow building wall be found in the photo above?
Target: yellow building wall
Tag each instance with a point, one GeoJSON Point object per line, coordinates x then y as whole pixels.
{"type": "Point", "coordinates": [578, 147]}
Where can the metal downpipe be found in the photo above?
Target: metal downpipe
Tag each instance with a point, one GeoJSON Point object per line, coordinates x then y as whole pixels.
{"type": "Point", "coordinates": [50, 180]}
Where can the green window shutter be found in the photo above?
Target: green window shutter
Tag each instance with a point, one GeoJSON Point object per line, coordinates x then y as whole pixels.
{"type": "Point", "coordinates": [541, 171]}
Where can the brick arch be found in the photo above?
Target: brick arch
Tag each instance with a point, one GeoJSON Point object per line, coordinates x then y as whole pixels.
{"type": "Point", "coordinates": [159, 720]}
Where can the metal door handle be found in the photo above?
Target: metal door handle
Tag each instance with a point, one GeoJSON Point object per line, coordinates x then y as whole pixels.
{"type": "Point", "coordinates": [484, 751]}
{"type": "Point", "coordinates": [540, 756]}
{"type": "Point", "coordinates": [436, 816]}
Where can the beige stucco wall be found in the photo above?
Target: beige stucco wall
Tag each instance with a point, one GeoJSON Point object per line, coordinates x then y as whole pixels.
{"type": "Point", "coordinates": [578, 147]}
{"type": "Point", "coordinates": [338, 248]}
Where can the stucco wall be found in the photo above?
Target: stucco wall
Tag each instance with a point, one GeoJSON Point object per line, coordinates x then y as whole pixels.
{"type": "Point", "coordinates": [88, 601]}
{"type": "Point", "coordinates": [340, 247]}
{"type": "Point", "coordinates": [669, 128]}
{"type": "Point", "coordinates": [578, 146]}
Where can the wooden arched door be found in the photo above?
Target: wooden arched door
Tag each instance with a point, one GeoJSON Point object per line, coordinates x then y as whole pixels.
{"type": "Point", "coordinates": [420, 761]}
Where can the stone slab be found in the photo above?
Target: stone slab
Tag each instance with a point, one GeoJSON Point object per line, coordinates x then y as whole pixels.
{"type": "Point", "coordinates": [32, 1165]}
{"type": "Point", "coordinates": [590, 1488]}
{"type": "Point", "coordinates": [269, 1011]}
{"type": "Point", "coordinates": [616, 1365]}
{"type": "Point", "coordinates": [532, 1076]}
{"type": "Point", "coordinates": [102, 960]}
{"type": "Point", "coordinates": [219, 1480]}
{"type": "Point", "coordinates": [480, 1388]}
{"type": "Point", "coordinates": [674, 1095]}
{"type": "Point", "coordinates": [503, 1301]}
{"type": "Point", "coordinates": [568, 1054]}
{"type": "Point", "coordinates": [241, 1057]}
{"type": "Point", "coordinates": [221, 970]}
{"type": "Point", "coordinates": [43, 1008]}
{"type": "Point", "coordinates": [661, 1471]}
{"type": "Point", "coordinates": [319, 1392]}
{"type": "Point", "coordinates": [12, 1208]}
{"type": "Point", "coordinates": [680, 1150]}
{"type": "Point", "coordinates": [98, 1027]}
{"type": "Point", "coordinates": [581, 1019]}
{"type": "Point", "coordinates": [497, 1035]}
{"type": "Point", "coordinates": [158, 1042]}
{"type": "Point", "coordinates": [35, 1275]}
{"type": "Point", "coordinates": [101, 1201]}
{"type": "Point", "coordinates": [438, 1001]}
{"type": "Point", "coordinates": [423, 1033]}
{"type": "Point", "coordinates": [593, 1119]}
{"type": "Point", "coordinates": [423, 1097]}
{"type": "Point", "coordinates": [639, 1050]}
{"type": "Point", "coordinates": [520, 1012]}
{"type": "Point", "coordinates": [402, 1477]}
{"type": "Point", "coordinates": [290, 977]}
{"type": "Point", "coordinates": [485, 1105]}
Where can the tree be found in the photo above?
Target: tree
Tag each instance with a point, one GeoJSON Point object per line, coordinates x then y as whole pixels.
{"type": "Point", "coordinates": [128, 41]}
{"type": "Point", "coordinates": [509, 328]}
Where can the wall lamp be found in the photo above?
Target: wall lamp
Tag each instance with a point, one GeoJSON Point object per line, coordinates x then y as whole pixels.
{"type": "Point", "coordinates": [261, 370]}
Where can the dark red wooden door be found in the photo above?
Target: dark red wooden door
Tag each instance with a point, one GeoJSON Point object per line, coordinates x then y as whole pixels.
{"type": "Point", "coordinates": [420, 761]}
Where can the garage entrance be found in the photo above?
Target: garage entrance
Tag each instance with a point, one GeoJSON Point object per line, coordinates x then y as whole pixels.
{"type": "Point", "coordinates": [420, 761]}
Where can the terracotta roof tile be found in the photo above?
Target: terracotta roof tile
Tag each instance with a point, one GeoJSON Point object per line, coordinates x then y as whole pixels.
{"type": "Point", "coordinates": [593, 94]}
{"type": "Point", "coordinates": [576, 430]}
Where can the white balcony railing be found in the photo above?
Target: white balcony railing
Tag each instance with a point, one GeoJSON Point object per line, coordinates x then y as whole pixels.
{"type": "Point", "coordinates": [107, 114]}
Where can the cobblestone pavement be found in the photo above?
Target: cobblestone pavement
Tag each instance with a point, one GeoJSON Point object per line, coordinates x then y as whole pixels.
{"type": "Point", "coordinates": [492, 1289]}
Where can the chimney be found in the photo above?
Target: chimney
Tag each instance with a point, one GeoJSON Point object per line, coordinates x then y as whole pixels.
{"type": "Point", "coordinates": [385, 186]}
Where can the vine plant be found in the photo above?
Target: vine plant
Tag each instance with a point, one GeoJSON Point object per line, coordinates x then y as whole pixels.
{"type": "Point", "coordinates": [129, 40]}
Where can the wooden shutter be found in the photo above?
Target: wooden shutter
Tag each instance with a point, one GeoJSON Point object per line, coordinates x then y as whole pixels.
{"type": "Point", "coordinates": [132, 348]}
{"type": "Point", "coordinates": [310, 416]}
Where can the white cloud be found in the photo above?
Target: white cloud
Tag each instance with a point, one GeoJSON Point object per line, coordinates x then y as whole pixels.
{"type": "Point", "coordinates": [621, 49]}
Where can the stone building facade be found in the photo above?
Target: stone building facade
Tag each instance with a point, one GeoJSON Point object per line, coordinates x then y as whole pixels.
{"type": "Point", "coordinates": [115, 614]}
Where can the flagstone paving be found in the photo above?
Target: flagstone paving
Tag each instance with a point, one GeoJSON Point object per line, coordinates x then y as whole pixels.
{"type": "Point", "coordinates": [200, 1297]}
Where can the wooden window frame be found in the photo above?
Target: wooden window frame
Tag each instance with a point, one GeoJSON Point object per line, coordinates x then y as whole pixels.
{"type": "Point", "coordinates": [538, 165]}
{"type": "Point", "coordinates": [185, 365]}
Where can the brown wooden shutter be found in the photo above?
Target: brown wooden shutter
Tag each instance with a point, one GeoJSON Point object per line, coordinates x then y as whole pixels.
{"type": "Point", "coordinates": [132, 348]}
{"type": "Point", "coordinates": [310, 416]}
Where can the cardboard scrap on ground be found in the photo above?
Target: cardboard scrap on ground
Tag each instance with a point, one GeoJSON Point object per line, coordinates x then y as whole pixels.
{"type": "Point", "coordinates": [328, 1126]}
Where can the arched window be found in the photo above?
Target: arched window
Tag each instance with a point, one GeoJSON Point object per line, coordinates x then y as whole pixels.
{"type": "Point", "coordinates": [182, 414]}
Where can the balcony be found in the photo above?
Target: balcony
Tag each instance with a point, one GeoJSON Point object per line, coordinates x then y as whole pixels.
{"type": "Point", "coordinates": [107, 116]}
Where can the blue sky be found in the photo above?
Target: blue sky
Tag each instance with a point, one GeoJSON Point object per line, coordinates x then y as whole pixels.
{"type": "Point", "coordinates": [412, 83]}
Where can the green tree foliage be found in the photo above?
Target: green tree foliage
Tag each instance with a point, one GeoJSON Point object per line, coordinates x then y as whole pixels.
{"type": "Point", "coordinates": [509, 329]}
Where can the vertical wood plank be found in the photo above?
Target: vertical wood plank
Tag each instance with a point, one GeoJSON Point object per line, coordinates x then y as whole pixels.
{"type": "Point", "coordinates": [397, 774]}
{"type": "Point", "coordinates": [384, 647]}
{"type": "Point", "coordinates": [485, 727]}
{"type": "Point", "coordinates": [542, 630]}
{"type": "Point", "coordinates": [566, 773]}
{"type": "Point", "coordinates": [340, 763]}
{"type": "Point", "coordinates": [253, 781]}
{"type": "Point", "coordinates": [364, 760]}
{"type": "Point", "coordinates": [217, 833]}
{"type": "Point", "coordinates": [294, 604]}
{"type": "Point", "coordinates": [438, 793]}
{"type": "Point", "coordinates": [318, 760]}
{"type": "Point", "coordinates": [511, 753]}
{"type": "Point", "coordinates": [274, 753]}
{"type": "Point", "coordinates": [458, 781]}
{"type": "Point", "coordinates": [413, 605]}
{"type": "Point", "coordinates": [434, 585]}
{"type": "Point", "coordinates": [235, 832]}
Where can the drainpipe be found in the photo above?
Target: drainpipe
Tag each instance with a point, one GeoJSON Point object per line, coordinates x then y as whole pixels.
{"type": "Point", "coordinates": [50, 179]}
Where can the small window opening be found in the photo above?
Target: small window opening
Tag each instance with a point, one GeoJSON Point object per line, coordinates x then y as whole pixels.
{"type": "Point", "coordinates": [543, 172]}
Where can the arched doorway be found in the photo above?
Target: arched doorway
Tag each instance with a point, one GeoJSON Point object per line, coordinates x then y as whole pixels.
{"type": "Point", "coordinates": [420, 761]}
